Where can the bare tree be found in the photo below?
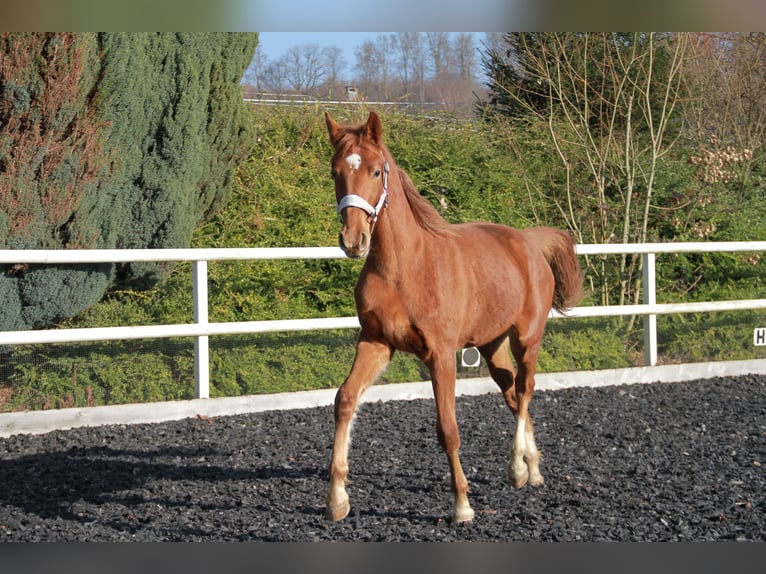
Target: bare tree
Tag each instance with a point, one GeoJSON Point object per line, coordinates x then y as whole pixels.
{"type": "Point", "coordinates": [454, 86]}
{"type": "Point", "coordinates": [384, 50]}
{"type": "Point", "coordinates": [374, 64]}
{"type": "Point", "coordinates": [465, 56]}
{"type": "Point", "coordinates": [440, 51]}
{"type": "Point", "coordinates": [404, 46]}
{"type": "Point", "coordinates": [305, 68]}
{"type": "Point", "coordinates": [255, 71]}
{"type": "Point", "coordinates": [336, 63]}
{"type": "Point", "coordinates": [273, 78]}
{"type": "Point", "coordinates": [606, 101]}
{"type": "Point", "coordinates": [412, 60]}
{"type": "Point", "coordinates": [419, 63]}
{"type": "Point", "coordinates": [365, 66]}
{"type": "Point", "coordinates": [725, 115]}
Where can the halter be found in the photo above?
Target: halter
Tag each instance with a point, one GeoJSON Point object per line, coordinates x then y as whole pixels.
{"type": "Point", "coordinates": [361, 203]}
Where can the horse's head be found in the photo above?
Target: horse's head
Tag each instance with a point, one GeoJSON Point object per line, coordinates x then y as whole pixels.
{"type": "Point", "coordinates": [360, 171]}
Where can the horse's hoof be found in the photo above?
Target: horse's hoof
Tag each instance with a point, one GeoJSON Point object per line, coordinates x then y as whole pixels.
{"type": "Point", "coordinates": [338, 511]}
{"type": "Point", "coordinates": [536, 480]}
{"type": "Point", "coordinates": [464, 515]}
{"type": "Point", "coordinates": [518, 477]}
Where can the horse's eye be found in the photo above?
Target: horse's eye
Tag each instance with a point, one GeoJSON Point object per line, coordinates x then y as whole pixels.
{"type": "Point", "coordinates": [377, 173]}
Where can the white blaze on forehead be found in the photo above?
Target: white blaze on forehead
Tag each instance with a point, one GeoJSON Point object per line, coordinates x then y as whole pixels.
{"type": "Point", "coordinates": [354, 160]}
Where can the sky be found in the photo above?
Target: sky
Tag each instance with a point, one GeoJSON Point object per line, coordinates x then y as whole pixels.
{"type": "Point", "coordinates": [403, 15]}
{"type": "Point", "coordinates": [275, 44]}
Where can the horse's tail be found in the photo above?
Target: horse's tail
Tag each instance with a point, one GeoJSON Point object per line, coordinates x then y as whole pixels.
{"type": "Point", "coordinates": [559, 250]}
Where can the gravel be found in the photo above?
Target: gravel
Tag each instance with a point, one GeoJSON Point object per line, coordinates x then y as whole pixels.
{"type": "Point", "coordinates": [650, 462]}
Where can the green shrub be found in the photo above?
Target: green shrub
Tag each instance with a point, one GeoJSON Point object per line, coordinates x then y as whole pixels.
{"type": "Point", "coordinates": [701, 337]}
{"type": "Point", "coordinates": [87, 374]}
{"type": "Point", "coordinates": [586, 344]}
{"type": "Point", "coordinates": [111, 140]}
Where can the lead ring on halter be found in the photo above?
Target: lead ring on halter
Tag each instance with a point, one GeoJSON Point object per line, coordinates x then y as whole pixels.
{"type": "Point", "coordinates": [353, 200]}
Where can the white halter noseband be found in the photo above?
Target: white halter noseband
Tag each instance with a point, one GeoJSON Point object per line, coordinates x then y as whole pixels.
{"type": "Point", "coordinates": [361, 203]}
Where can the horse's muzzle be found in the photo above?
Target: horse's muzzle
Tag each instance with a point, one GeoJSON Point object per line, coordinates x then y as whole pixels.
{"type": "Point", "coordinates": [354, 248]}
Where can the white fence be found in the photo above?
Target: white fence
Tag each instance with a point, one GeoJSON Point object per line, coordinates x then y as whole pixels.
{"type": "Point", "coordinates": [201, 329]}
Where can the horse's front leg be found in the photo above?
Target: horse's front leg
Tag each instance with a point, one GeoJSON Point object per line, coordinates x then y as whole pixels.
{"type": "Point", "coordinates": [443, 368]}
{"type": "Point", "coordinates": [370, 360]}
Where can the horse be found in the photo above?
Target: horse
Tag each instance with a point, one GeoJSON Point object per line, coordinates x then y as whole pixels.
{"type": "Point", "coordinates": [429, 287]}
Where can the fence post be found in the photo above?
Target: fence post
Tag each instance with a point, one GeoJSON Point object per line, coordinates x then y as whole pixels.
{"type": "Point", "coordinates": [650, 321]}
{"type": "Point", "coordinates": [201, 356]}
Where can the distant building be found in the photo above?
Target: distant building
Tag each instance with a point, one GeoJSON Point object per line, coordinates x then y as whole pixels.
{"type": "Point", "coordinates": [351, 93]}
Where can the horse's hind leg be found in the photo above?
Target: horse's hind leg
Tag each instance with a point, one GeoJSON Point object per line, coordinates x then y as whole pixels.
{"type": "Point", "coordinates": [498, 357]}
{"type": "Point", "coordinates": [370, 360]}
{"type": "Point", "coordinates": [525, 463]}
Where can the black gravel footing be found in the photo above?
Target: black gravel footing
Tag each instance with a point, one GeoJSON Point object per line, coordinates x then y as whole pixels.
{"type": "Point", "coordinates": [652, 462]}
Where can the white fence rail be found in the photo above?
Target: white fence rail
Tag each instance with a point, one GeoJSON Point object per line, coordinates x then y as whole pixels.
{"type": "Point", "coordinates": [201, 329]}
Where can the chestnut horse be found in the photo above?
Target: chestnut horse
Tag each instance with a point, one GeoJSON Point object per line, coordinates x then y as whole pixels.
{"type": "Point", "coordinates": [428, 287]}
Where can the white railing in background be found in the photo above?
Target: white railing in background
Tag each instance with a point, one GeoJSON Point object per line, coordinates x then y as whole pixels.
{"type": "Point", "coordinates": [201, 329]}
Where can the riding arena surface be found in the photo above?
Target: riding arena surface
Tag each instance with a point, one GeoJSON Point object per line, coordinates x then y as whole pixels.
{"type": "Point", "coordinates": [643, 462]}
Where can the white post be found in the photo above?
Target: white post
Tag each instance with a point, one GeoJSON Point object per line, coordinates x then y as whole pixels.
{"type": "Point", "coordinates": [201, 356]}
{"type": "Point", "coordinates": [650, 321]}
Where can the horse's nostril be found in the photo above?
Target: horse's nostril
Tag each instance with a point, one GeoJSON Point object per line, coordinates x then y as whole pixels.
{"type": "Point", "coordinates": [354, 246]}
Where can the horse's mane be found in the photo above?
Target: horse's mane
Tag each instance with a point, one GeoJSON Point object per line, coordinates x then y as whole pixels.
{"type": "Point", "coordinates": [425, 214]}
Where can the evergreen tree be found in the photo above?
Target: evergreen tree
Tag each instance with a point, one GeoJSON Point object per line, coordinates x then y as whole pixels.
{"type": "Point", "coordinates": [111, 140]}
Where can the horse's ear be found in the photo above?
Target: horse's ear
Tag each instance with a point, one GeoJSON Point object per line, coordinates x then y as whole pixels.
{"type": "Point", "coordinates": [374, 128]}
{"type": "Point", "coordinates": [332, 127]}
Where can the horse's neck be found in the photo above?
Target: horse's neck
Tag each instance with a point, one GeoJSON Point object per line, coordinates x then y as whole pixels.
{"type": "Point", "coordinates": [397, 238]}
